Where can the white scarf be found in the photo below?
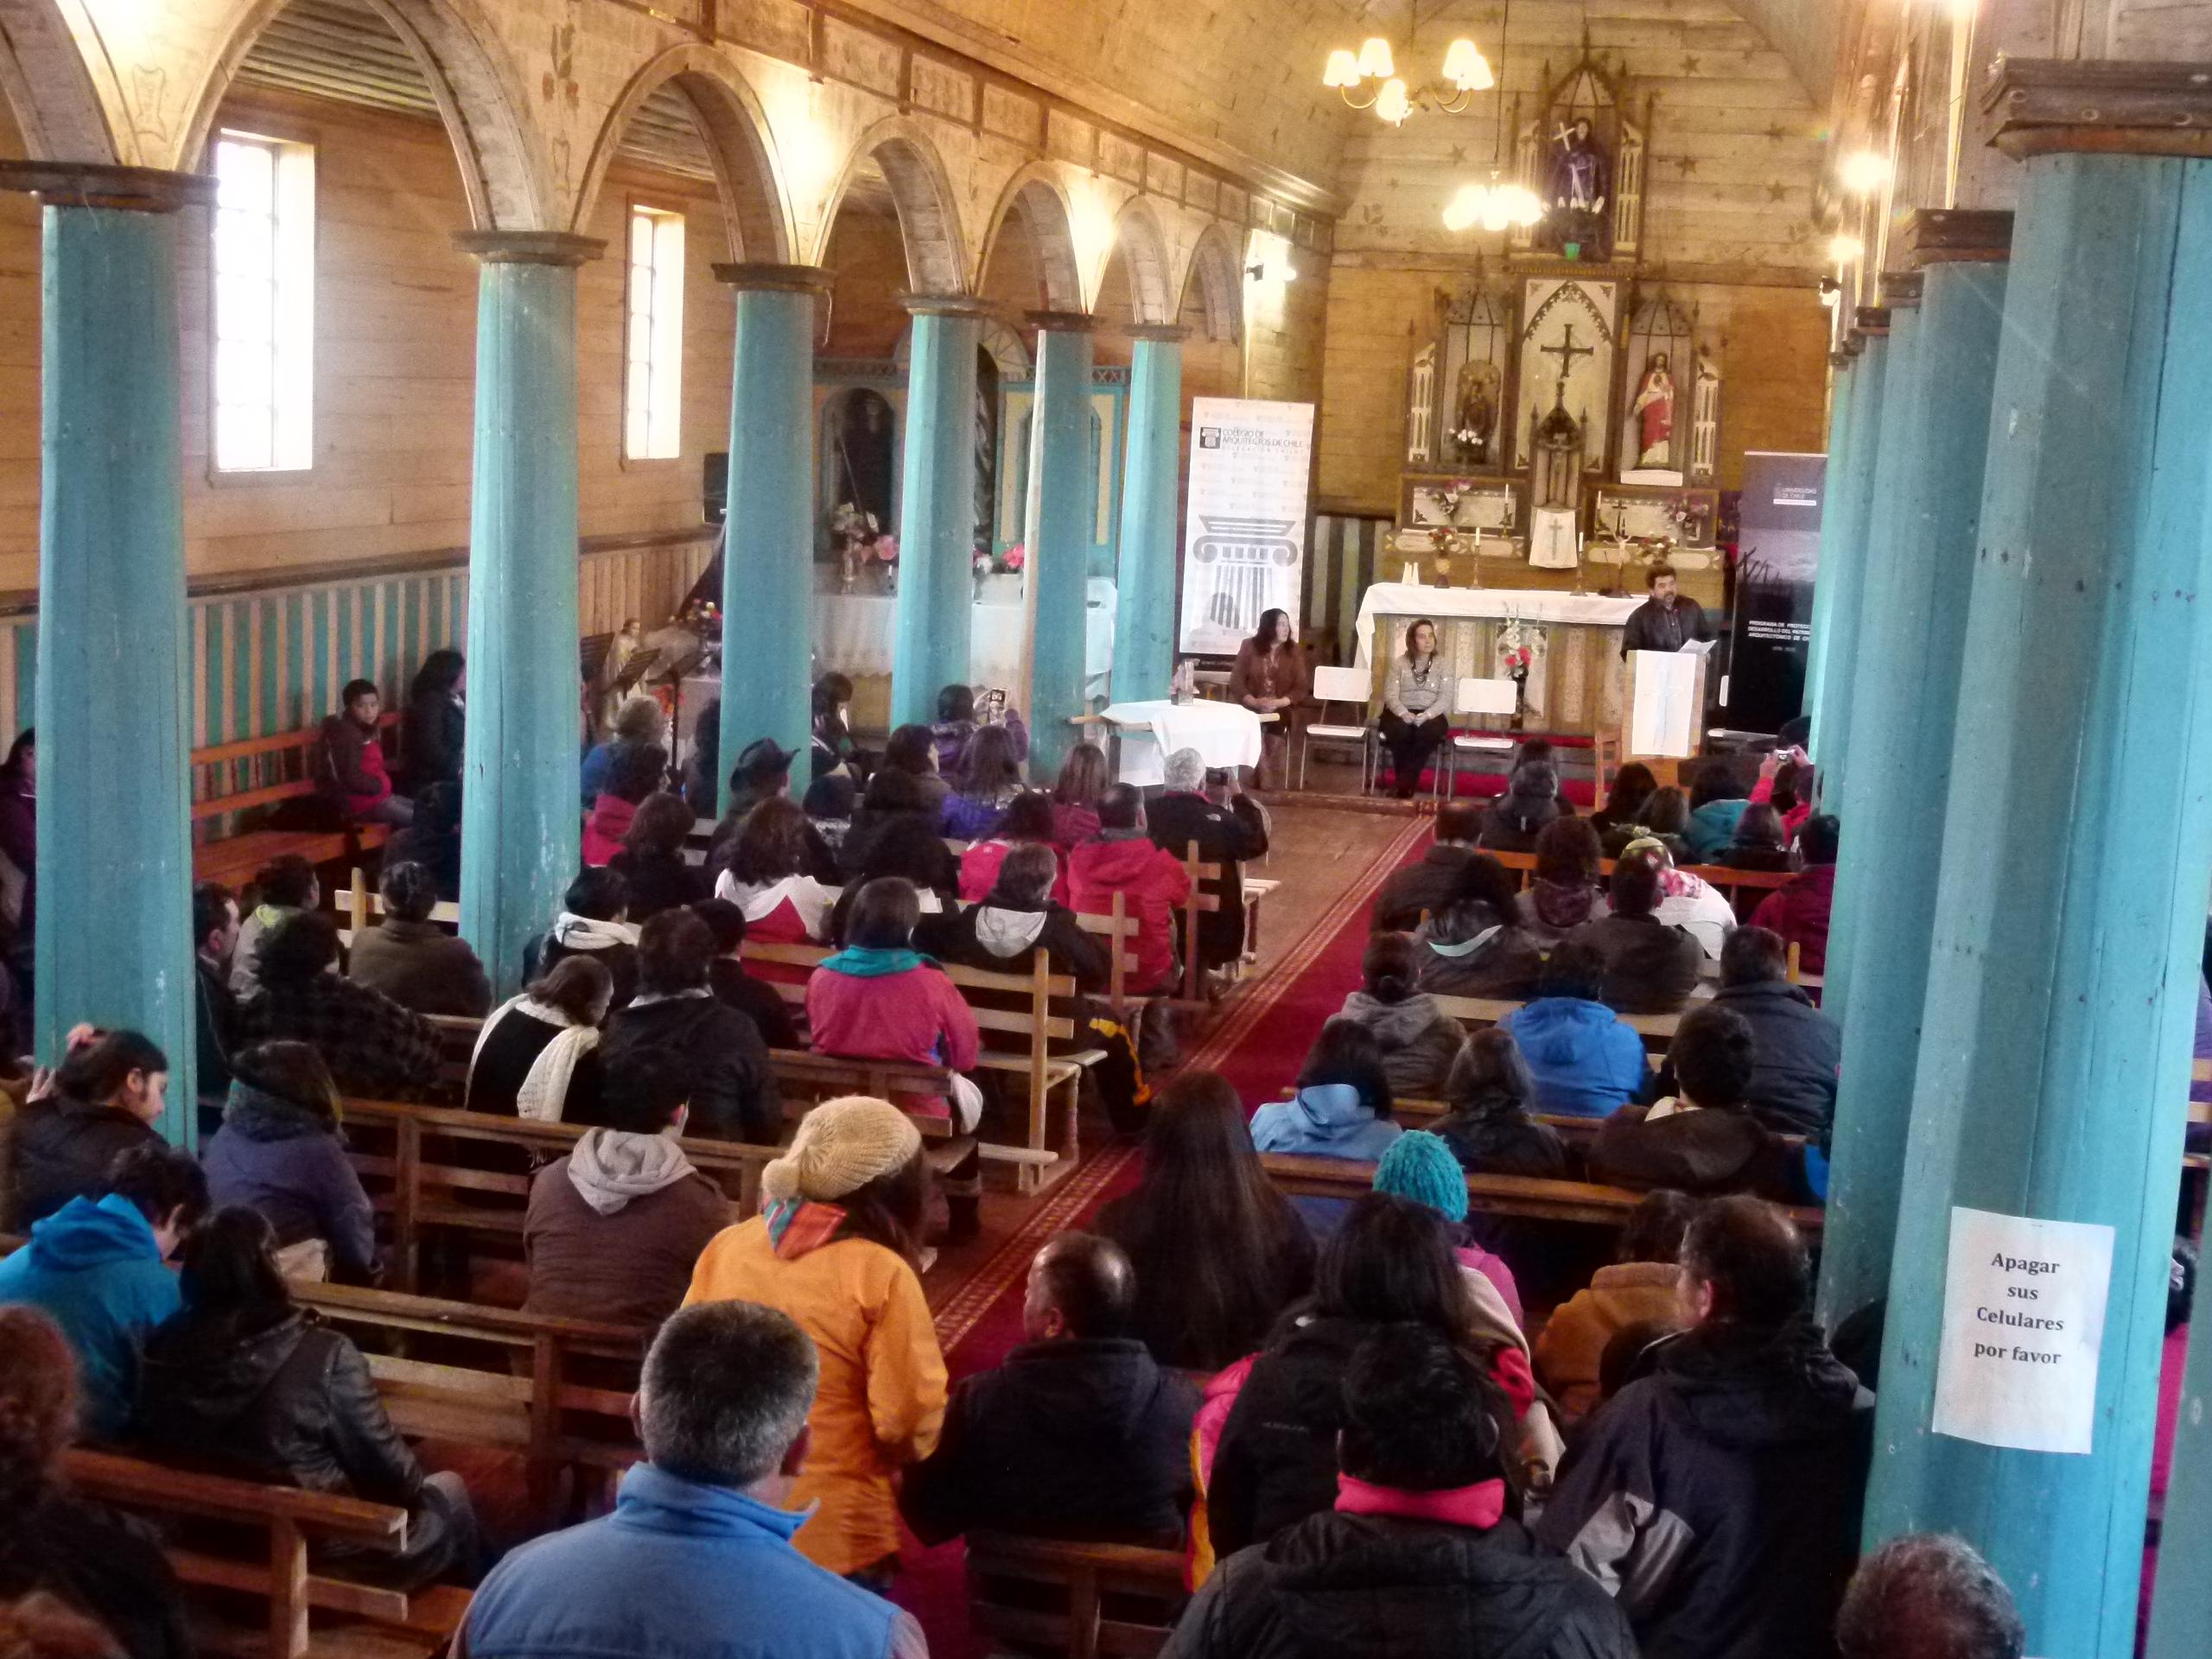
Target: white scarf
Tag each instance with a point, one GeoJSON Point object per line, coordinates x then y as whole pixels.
{"type": "Point", "coordinates": [544, 1091]}
{"type": "Point", "coordinates": [575, 933]}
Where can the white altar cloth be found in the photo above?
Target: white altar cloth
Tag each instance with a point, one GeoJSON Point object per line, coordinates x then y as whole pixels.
{"type": "Point", "coordinates": [1413, 599]}
{"type": "Point", "coordinates": [1226, 734]}
{"type": "Point", "coordinates": [852, 633]}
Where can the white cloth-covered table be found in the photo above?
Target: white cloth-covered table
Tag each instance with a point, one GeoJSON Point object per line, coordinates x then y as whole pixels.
{"type": "Point", "coordinates": [1226, 734]}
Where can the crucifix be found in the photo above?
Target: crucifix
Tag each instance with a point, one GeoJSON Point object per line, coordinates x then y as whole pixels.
{"type": "Point", "coordinates": [1567, 352]}
{"type": "Point", "coordinates": [1565, 136]}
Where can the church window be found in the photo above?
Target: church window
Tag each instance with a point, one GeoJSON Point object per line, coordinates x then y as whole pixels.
{"type": "Point", "coordinates": [653, 402]}
{"type": "Point", "coordinates": [264, 359]}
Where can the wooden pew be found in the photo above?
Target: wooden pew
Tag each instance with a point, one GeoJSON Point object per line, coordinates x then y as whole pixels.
{"type": "Point", "coordinates": [1583, 1202]}
{"type": "Point", "coordinates": [422, 1623]}
{"type": "Point", "coordinates": [228, 778]}
{"type": "Point", "coordinates": [1119, 930]}
{"type": "Point", "coordinates": [1084, 1575]}
{"type": "Point", "coordinates": [1735, 883]}
{"type": "Point", "coordinates": [1657, 1030]}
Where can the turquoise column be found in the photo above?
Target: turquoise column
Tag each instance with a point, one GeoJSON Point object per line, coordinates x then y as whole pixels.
{"type": "Point", "coordinates": [113, 944]}
{"type": "Point", "coordinates": [1869, 410]}
{"type": "Point", "coordinates": [1144, 581]}
{"type": "Point", "coordinates": [767, 546]}
{"type": "Point", "coordinates": [1063, 501]}
{"type": "Point", "coordinates": [2069, 914]}
{"type": "Point", "coordinates": [519, 822]}
{"type": "Point", "coordinates": [1919, 579]}
{"type": "Point", "coordinates": [936, 518]}
{"type": "Point", "coordinates": [1832, 495]}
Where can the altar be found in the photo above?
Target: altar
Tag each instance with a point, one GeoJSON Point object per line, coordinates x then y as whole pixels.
{"type": "Point", "coordinates": [854, 634]}
{"type": "Point", "coordinates": [1573, 642]}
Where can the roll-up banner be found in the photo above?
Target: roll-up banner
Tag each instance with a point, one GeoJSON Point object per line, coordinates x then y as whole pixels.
{"type": "Point", "coordinates": [1244, 528]}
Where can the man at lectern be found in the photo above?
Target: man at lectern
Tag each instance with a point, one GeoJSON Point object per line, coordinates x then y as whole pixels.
{"type": "Point", "coordinates": [1666, 621]}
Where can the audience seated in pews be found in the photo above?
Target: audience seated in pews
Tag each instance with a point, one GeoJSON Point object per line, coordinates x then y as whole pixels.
{"type": "Point", "coordinates": [1530, 802]}
{"type": "Point", "coordinates": [726, 976]}
{"type": "Point", "coordinates": [697, 1560]}
{"type": "Point", "coordinates": [1151, 881]}
{"type": "Point", "coordinates": [1017, 916]}
{"type": "Point", "coordinates": [1929, 1596]}
{"type": "Point", "coordinates": [1218, 1250]}
{"type": "Point", "coordinates": [594, 922]}
{"type": "Point", "coordinates": [1566, 891]}
{"type": "Point", "coordinates": [728, 1078]}
{"type": "Point", "coordinates": [1687, 901]}
{"type": "Point", "coordinates": [1475, 945]}
{"type": "Point", "coordinates": [912, 749]}
{"type": "Point", "coordinates": [412, 960]}
{"type": "Point", "coordinates": [434, 735]}
{"type": "Point", "coordinates": [775, 878]}
{"type": "Point", "coordinates": [958, 725]}
{"type": "Point", "coordinates": [1418, 1040]}
{"type": "Point", "coordinates": [1666, 817]}
{"type": "Point", "coordinates": [1078, 1434]}
{"type": "Point", "coordinates": [828, 805]}
{"type": "Point", "coordinates": [1083, 778]}
{"type": "Point", "coordinates": [1799, 912]}
{"type": "Point", "coordinates": [1222, 831]}
{"type": "Point", "coordinates": [988, 777]}
{"type": "Point", "coordinates": [89, 1560]}
{"type": "Point", "coordinates": [1028, 821]}
{"type": "Point", "coordinates": [1702, 1138]}
{"type": "Point", "coordinates": [615, 1227]}
{"type": "Point", "coordinates": [103, 1099]}
{"type": "Point", "coordinates": [640, 723]}
{"type": "Point", "coordinates": [651, 860]}
{"type": "Point", "coordinates": [1638, 1289]}
{"type": "Point", "coordinates": [1412, 1547]}
{"type": "Point", "coordinates": [537, 1056]}
{"type": "Point", "coordinates": [634, 775]}
{"type": "Point", "coordinates": [1624, 802]}
{"type": "Point", "coordinates": [1275, 1463]}
{"type": "Point", "coordinates": [836, 1251]}
{"type": "Point", "coordinates": [1761, 842]}
{"type": "Point", "coordinates": [1420, 1167]}
{"type": "Point", "coordinates": [1718, 800]}
{"type": "Point", "coordinates": [98, 1267]}
{"type": "Point", "coordinates": [1649, 966]}
{"type": "Point", "coordinates": [372, 1045]}
{"type": "Point", "coordinates": [1342, 1109]}
{"type": "Point", "coordinates": [893, 796]}
{"type": "Point", "coordinates": [280, 1152]}
{"type": "Point", "coordinates": [832, 750]}
{"type": "Point", "coordinates": [1798, 1048]}
{"type": "Point", "coordinates": [433, 839]}
{"type": "Point", "coordinates": [347, 760]}
{"type": "Point", "coordinates": [905, 848]}
{"type": "Point", "coordinates": [284, 887]}
{"type": "Point", "coordinates": [1584, 1061]}
{"type": "Point", "coordinates": [214, 1010]}
{"type": "Point", "coordinates": [1717, 1496]}
{"type": "Point", "coordinates": [1491, 1093]}
{"type": "Point", "coordinates": [243, 1379]}
{"type": "Point", "coordinates": [1407, 895]}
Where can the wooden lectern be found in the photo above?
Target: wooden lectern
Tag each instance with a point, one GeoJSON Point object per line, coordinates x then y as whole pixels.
{"type": "Point", "coordinates": [1662, 710]}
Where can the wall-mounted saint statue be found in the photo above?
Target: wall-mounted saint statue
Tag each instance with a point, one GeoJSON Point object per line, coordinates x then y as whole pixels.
{"type": "Point", "coordinates": [1579, 186]}
{"type": "Point", "coordinates": [1475, 411]}
{"type": "Point", "coordinates": [1654, 413]}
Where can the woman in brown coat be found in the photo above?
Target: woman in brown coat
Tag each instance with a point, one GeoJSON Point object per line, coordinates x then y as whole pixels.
{"type": "Point", "coordinates": [1271, 677]}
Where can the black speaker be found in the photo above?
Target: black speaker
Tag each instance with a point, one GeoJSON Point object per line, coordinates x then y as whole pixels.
{"type": "Point", "coordinates": [714, 485]}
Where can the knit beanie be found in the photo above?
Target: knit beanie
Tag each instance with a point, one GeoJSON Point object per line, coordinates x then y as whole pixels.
{"type": "Point", "coordinates": [842, 1144]}
{"type": "Point", "coordinates": [1419, 1166]}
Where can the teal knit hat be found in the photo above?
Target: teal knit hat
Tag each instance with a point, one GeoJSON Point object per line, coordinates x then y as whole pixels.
{"type": "Point", "coordinates": [1420, 1167]}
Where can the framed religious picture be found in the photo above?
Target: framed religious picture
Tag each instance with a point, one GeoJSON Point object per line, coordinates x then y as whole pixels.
{"type": "Point", "coordinates": [1566, 352]}
{"type": "Point", "coordinates": [1653, 515]}
{"type": "Point", "coordinates": [1491, 506]}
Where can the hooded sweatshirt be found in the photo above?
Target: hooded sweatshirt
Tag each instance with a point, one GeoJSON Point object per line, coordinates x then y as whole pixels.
{"type": "Point", "coordinates": [1718, 1497]}
{"type": "Point", "coordinates": [276, 1156]}
{"type": "Point", "coordinates": [1713, 829]}
{"type": "Point", "coordinates": [1469, 950]}
{"type": "Point", "coordinates": [1552, 909]}
{"type": "Point", "coordinates": [615, 1227]}
{"type": "Point", "coordinates": [1418, 1039]}
{"type": "Point", "coordinates": [1326, 1120]}
{"type": "Point", "coordinates": [95, 1268]}
{"type": "Point", "coordinates": [1000, 934]}
{"type": "Point", "coordinates": [1153, 881]}
{"type": "Point", "coordinates": [1079, 1438]}
{"type": "Point", "coordinates": [1585, 1061]}
{"type": "Point", "coordinates": [1530, 802]}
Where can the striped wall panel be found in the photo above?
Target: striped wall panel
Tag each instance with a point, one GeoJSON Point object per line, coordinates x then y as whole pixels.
{"type": "Point", "coordinates": [1340, 557]}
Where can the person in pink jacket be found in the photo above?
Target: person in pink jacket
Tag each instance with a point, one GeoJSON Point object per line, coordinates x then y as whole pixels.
{"type": "Point", "coordinates": [1028, 818]}
{"type": "Point", "coordinates": [1124, 859]}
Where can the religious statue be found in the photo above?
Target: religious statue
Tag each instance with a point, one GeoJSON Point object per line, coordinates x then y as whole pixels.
{"type": "Point", "coordinates": [1474, 417]}
{"type": "Point", "coordinates": [1654, 413]}
{"type": "Point", "coordinates": [1555, 480]}
{"type": "Point", "coordinates": [1575, 200]}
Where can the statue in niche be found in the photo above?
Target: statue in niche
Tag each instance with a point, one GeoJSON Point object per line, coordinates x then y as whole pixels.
{"type": "Point", "coordinates": [1581, 175]}
{"type": "Point", "coordinates": [1474, 417]}
{"type": "Point", "coordinates": [1654, 412]}
{"type": "Point", "coordinates": [1555, 479]}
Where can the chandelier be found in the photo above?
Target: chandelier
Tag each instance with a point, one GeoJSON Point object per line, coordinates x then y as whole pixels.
{"type": "Point", "coordinates": [1502, 204]}
{"type": "Point", "coordinates": [1466, 72]}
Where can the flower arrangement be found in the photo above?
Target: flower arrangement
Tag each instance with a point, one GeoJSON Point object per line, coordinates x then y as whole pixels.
{"type": "Point", "coordinates": [703, 617]}
{"type": "Point", "coordinates": [987, 563]}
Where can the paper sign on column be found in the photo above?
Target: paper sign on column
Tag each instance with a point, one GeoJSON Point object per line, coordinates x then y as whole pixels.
{"type": "Point", "coordinates": [2024, 1318]}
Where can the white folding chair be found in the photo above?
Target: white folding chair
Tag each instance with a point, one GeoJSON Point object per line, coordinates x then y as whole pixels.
{"type": "Point", "coordinates": [1474, 696]}
{"type": "Point", "coordinates": [1351, 685]}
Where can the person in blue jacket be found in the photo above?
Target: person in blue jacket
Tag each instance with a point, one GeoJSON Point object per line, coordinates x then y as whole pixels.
{"type": "Point", "coordinates": [1585, 1061]}
{"type": "Point", "coordinates": [1718, 801]}
{"type": "Point", "coordinates": [1343, 1106]}
{"type": "Point", "coordinates": [98, 1267]}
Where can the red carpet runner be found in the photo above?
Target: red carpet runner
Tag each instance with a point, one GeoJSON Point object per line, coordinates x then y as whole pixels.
{"type": "Point", "coordinates": [1258, 1047]}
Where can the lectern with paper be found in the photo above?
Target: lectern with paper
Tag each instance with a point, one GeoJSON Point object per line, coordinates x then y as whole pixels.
{"type": "Point", "coordinates": [1662, 706]}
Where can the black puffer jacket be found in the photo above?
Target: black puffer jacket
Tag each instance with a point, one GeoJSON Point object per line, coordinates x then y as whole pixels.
{"type": "Point", "coordinates": [62, 1151]}
{"type": "Point", "coordinates": [734, 1093]}
{"type": "Point", "coordinates": [1277, 1460]}
{"type": "Point", "coordinates": [1493, 1134]}
{"type": "Point", "coordinates": [1224, 835]}
{"type": "Point", "coordinates": [1719, 1496]}
{"type": "Point", "coordinates": [1469, 950]}
{"type": "Point", "coordinates": [105, 1566]}
{"type": "Point", "coordinates": [1793, 1080]}
{"type": "Point", "coordinates": [1346, 1586]}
